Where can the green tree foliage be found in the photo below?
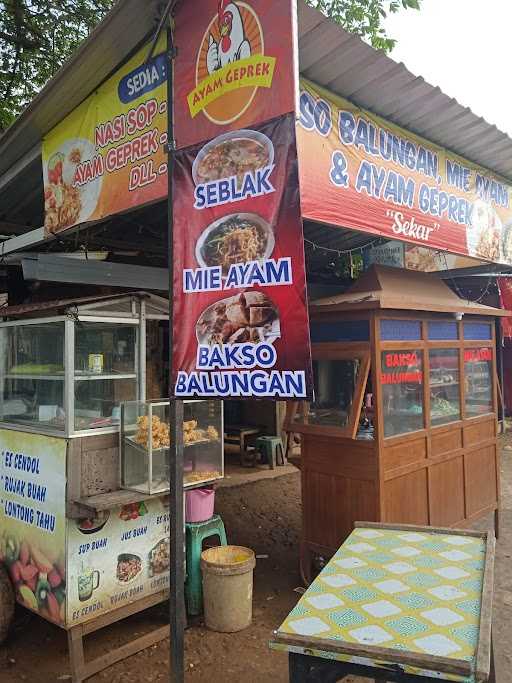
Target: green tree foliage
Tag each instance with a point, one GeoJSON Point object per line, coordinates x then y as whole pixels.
{"type": "Point", "coordinates": [364, 17]}
{"type": "Point", "coordinates": [37, 36]}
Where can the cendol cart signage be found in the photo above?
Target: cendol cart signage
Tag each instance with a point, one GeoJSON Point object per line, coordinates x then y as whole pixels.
{"type": "Point", "coordinates": [71, 570]}
{"type": "Point", "coordinates": [33, 520]}
{"type": "Point", "coordinates": [118, 557]}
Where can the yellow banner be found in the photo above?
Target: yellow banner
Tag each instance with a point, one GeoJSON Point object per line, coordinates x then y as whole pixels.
{"type": "Point", "coordinates": [33, 520]}
{"type": "Point", "coordinates": [108, 155]}
{"type": "Point", "coordinates": [362, 172]}
{"type": "Point", "coordinates": [255, 71]}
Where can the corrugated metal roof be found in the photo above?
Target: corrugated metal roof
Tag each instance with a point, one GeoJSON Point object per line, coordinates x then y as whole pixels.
{"type": "Point", "coordinates": [346, 65]}
{"type": "Point", "coordinates": [328, 55]}
{"type": "Point", "coordinates": [61, 305]}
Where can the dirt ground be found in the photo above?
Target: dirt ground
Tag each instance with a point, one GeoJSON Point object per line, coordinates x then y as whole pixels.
{"type": "Point", "coordinates": [264, 515]}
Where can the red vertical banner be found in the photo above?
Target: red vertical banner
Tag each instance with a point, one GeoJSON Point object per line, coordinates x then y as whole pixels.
{"type": "Point", "coordinates": [505, 289]}
{"type": "Point", "coordinates": [241, 325]}
{"type": "Point", "coordinates": [240, 305]}
{"type": "Point", "coordinates": [236, 66]}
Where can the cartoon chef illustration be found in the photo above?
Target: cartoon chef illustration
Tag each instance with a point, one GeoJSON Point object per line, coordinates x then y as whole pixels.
{"type": "Point", "coordinates": [232, 45]}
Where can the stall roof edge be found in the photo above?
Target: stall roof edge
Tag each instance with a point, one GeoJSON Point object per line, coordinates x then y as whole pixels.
{"type": "Point", "coordinates": [383, 287]}
{"type": "Point", "coordinates": [385, 81]}
{"type": "Point", "coordinates": [390, 90]}
{"type": "Point", "coordinates": [61, 305]}
{"type": "Point", "coordinates": [97, 57]}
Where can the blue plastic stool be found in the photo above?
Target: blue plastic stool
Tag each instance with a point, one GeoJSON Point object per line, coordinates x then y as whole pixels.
{"type": "Point", "coordinates": [196, 533]}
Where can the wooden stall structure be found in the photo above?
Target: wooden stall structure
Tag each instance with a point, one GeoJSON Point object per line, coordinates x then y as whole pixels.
{"type": "Point", "coordinates": [404, 424]}
{"type": "Point", "coordinates": [85, 517]}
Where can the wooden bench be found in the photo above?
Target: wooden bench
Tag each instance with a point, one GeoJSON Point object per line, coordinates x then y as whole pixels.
{"type": "Point", "coordinates": [396, 603]}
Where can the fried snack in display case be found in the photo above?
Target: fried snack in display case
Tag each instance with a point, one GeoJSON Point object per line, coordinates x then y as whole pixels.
{"type": "Point", "coordinates": [203, 440]}
{"type": "Point", "coordinates": [146, 438]}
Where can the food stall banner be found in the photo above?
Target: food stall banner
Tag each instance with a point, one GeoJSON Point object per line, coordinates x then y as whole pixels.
{"type": "Point", "coordinates": [362, 172]}
{"type": "Point", "coordinates": [236, 66]}
{"type": "Point", "coordinates": [108, 155]}
{"type": "Point", "coordinates": [240, 318]}
{"type": "Point", "coordinates": [33, 520]}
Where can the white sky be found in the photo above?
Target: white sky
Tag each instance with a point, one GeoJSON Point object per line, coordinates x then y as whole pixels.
{"type": "Point", "coordinates": [464, 47]}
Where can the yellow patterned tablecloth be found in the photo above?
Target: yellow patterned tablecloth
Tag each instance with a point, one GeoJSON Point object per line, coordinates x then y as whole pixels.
{"type": "Point", "coordinates": [410, 591]}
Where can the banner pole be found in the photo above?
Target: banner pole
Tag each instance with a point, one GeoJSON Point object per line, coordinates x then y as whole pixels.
{"type": "Point", "coordinates": [176, 517]}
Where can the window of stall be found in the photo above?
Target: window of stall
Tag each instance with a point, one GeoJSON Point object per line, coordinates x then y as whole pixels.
{"type": "Point", "coordinates": [402, 391]}
{"type": "Point", "coordinates": [478, 390]}
{"type": "Point", "coordinates": [402, 377]}
{"type": "Point", "coordinates": [99, 391]}
{"type": "Point", "coordinates": [444, 386]}
{"type": "Point", "coordinates": [340, 379]}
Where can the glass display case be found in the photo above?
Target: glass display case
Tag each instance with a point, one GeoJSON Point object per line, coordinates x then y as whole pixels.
{"type": "Point", "coordinates": [68, 374]}
{"type": "Point", "coordinates": [343, 397]}
{"type": "Point", "coordinates": [145, 440]}
{"type": "Point", "coordinates": [32, 374]}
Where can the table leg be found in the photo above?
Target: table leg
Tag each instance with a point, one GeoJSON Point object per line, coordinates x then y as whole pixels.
{"type": "Point", "coordinates": [492, 670]}
{"type": "Point", "coordinates": [76, 653]}
{"type": "Point", "coordinates": [497, 523]}
{"type": "Point", "coordinates": [305, 560]}
{"type": "Point", "coordinates": [242, 449]}
{"type": "Point", "coordinates": [298, 668]}
{"type": "Point", "coordinates": [308, 669]}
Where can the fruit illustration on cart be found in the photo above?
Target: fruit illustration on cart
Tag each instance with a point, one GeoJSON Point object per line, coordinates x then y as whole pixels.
{"type": "Point", "coordinates": [39, 583]}
{"type": "Point", "coordinates": [6, 604]}
{"type": "Point", "coordinates": [133, 511]}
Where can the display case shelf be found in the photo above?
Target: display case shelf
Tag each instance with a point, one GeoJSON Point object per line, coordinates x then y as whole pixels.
{"type": "Point", "coordinates": [20, 376]}
{"type": "Point", "coordinates": [440, 385]}
{"type": "Point", "coordinates": [107, 501]}
{"type": "Point", "coordinates": [114, 375]}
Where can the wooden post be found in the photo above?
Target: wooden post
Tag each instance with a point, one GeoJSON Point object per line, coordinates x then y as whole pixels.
{"type": "Point", "coordinates": [176, 522]}
{"type": "Point", "coordinates": [176, 526]}
{"type": "Point", "coordinates": [501, 374]}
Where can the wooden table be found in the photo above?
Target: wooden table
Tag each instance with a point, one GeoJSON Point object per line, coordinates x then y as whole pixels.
{"type": "Point", "coordinates": [396, 603]}
{"type": "Point", "coordinates": [241, 434]}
